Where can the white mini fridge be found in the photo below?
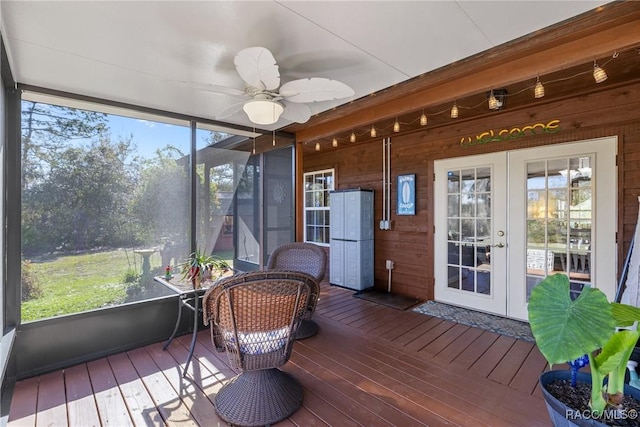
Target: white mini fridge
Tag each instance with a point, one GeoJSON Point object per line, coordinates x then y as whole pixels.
{"type": "Point", "coordinates": [351, 228]}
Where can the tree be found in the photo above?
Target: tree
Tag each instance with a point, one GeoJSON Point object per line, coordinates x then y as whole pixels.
{"type": "Point", "coordinates": [82, 203]}
{"type": "Point", "coordinates": [160, 205]}
{"type": "Point", "coordinates": [46, 130]}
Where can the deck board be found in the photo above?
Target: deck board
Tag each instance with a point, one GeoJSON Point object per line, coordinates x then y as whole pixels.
{"type": "Point", "coordinates": [109, 399]}
{"type": "Point", "coordinates": [81, 404]}
{"type": "Point", "coordinates": [141, 408]}
{"type": "Point", "coordinates": [370, 365]}
{"type": "Point", "coordinates": [51, 406]}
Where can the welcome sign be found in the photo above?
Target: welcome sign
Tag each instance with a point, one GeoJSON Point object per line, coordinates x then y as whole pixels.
{"type": "Point", "coordinates": [552, 126]}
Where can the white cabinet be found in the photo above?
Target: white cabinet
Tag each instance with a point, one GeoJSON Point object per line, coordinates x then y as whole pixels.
{"type": "Point", "coordinates": [351, 252]}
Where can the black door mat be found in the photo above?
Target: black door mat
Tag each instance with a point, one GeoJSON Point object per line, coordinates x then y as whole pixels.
{"type": "Point", "coordinates": [501, 325]}
{"type": "Point", "coordinates": [399, 302]}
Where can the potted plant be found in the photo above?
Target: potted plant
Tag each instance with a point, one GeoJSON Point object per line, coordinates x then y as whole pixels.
{"type": "Point", "coordinates": [201, 266]}
{"type": "Point", "coordinates": [566, 329]}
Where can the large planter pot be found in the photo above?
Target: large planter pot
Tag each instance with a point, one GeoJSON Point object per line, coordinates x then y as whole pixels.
{"type": "Point", "coordinates": [558, 411]}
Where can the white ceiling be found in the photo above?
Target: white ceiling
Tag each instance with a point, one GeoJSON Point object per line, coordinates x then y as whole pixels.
{"type": "Point", "coordinates": [143, 52]}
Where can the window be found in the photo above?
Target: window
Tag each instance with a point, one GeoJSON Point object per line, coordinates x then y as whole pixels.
{"type": "Point", "coordinates": [317, 186]}
{"type": "Point", "coordinates": [216, 186]}
{"type": "Point", "coordinates": [104, 202]}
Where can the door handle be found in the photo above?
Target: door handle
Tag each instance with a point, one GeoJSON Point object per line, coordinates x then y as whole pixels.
{"type": "Point", "coordinates": [499, 245]}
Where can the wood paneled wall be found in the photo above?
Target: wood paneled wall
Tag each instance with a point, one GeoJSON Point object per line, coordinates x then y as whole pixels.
{"type": "Point", "coordinates": [605, 112]}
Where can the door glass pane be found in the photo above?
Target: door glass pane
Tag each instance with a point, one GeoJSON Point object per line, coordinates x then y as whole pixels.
{"type": "Point", "coordinates": [278, 199]}
{"type": "Point", "coordinates": [559, 215]}
{"type": "Point", "coordinates": [469, 230]}
{"type": "Point", "coordinates": [247, 215]}
{"type": "Point", "coordinates": [215, 189]}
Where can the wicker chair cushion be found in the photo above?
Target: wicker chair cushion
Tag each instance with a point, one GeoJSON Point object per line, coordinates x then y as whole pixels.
{"type": "Point", "coordinates": [259, 342]}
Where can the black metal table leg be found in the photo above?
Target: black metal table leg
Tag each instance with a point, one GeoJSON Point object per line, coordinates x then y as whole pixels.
{"type": "Point", "coordinates": [175, 329]}
{"type": "Point", "coordinates": [196, 299]}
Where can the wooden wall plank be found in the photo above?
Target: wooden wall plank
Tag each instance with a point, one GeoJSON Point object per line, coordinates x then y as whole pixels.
{"type": "Point", "coordinates": [603, 112]}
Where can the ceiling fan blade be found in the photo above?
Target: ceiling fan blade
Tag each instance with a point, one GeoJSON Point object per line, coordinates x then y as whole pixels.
{"type": "Point", "coordinates": [315, 89]}
{"type": "Point", "coordinates": [230, 110]}
{"type": "Point", "coordinates": [210, 88]}
{"type": "Point", "coordinates": [299, 113]}
{"type": "Point", "coordinates": [258, 68]}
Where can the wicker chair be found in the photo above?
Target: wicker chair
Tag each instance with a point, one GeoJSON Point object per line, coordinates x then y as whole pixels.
{"type": "Point", "coordinates": [253, 316]}
{"type": "Point", "coordinates": [307, 258]}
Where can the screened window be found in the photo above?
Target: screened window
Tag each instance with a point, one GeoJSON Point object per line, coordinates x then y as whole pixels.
{"type": "Point", "coordinates": [317, 186]}
{"type": "Point", "coordinates": [216, 184]}
{"type": "Point", "coordinates": [105, 205]}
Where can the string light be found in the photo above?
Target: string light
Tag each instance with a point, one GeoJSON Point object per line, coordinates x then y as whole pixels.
{"type": "Point", "coordinates": [253, 151]}
{"type": "Point", "coordinates": [423, 119]}
{"type": "Point", "coordinates": [538, 91]}
{"type": "Point", "coordinates": [495, 102]}
{"type": "Point", "coordinates": [454, 111]}
{"type": "Point", "coordinates": [598, 73]}
{"type": "Point", "coordinates": [274, 138]}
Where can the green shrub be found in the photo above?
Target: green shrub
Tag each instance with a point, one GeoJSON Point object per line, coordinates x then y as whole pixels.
{"type": "Point", "coordinates": [31, 287]}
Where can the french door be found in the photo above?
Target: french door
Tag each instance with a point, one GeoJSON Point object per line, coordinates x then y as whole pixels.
{"type": "Point", "coordinates": [506, 220]}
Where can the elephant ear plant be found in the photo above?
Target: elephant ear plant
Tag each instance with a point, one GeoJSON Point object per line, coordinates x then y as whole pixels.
{"type": "Point", "coordinates": [566, 329]}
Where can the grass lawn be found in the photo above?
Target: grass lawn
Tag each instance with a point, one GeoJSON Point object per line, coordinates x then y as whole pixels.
{"type": "Point", "coordinates": [76, 283]}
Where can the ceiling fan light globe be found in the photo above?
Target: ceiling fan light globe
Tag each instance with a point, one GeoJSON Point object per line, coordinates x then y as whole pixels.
{"type": "Point", "coordinates": [262, 111]}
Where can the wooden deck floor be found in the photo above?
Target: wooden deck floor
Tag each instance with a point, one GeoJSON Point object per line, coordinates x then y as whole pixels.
{"type": "Point", "coordinates": [369, 366]}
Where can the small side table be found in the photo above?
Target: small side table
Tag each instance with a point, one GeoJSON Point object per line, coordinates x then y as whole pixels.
{"type": "Point", "coordinates": [190, 298]}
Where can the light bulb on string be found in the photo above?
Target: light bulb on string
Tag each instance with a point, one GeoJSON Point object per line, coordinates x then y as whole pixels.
{"type": "Point", "coordinates": [334, 142]}
{"type": "Point", "coordinates": [493, 102]}
{"type": "Point", "coordinates": [538, 91]}
{"type": "Point", "coordinates": [352, 138]}
{"type": "Point", "coordinates": [396, 126]}
{"type": "Point", "coordinates": [598, 73]}
{"type": "Point", "coordinates": [373, 131]}
{"type": "Point", "coordinates": [423, 119]}
{"type": "Point", "coordinates": [454, 111]}
{"type": "Point", "coordinates": [317, 146]}
{"type": "Point", "coordinates": [274, 138]}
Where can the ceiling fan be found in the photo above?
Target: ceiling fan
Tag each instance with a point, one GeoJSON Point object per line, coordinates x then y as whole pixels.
{"type": "Point", "coordinates": [267, 101]}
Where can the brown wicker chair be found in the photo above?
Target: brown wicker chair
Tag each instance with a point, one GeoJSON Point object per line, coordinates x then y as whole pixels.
{"type": "Point", "coordinates": [254, 317]}
{"type": "Point", "coordinates": [310, 259]}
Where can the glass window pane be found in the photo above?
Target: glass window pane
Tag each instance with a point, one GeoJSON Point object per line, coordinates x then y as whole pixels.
{"type": "Point", "coordinates": [536, 232]}
{"type": "Point", "coordinates": [468, 181]}
{"type": "Point", "coordinates": [454, 229]}
{"type": "Point", "coordinates": [453, 207]}
{"type": "Point", "coordinates": [468, 230]}
{"type": "Point", "coordinates": [483, 205]}
{"type": "Point", "coordinates": [454, 277]}
{"type": "Point", "coordinates": [557, 173]}
{"type": "Point", "coordinates": [537, 204]}
{"type": "Point", "coordinates": [536, 176]}
{"type": "Point", "coordinates": [453, 182]}
{"type": "Point", "coordinates": [483, 181]}
{"type": "Point", "coordinates": [317, 204]}
{"type": "Point", "coordinates": [109, 196]}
